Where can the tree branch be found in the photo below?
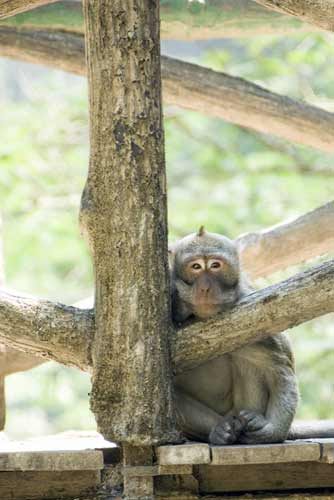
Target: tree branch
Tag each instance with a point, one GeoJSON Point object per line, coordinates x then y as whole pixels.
{"type": "Point", "coordinates": [180, 20]}
{"type": "Point", "coordinates": [265, 252]}
{"type": "Point", "coordinates": [263, 313]}
{"type": "Point", "coordinates": [191, 86]}
{"type": "Point", "coordinates": [65, 334]}
{"type": "Point", "coordinates": [53, 331]}
{"type": "Point", "coordinates": [12, 7]}
{"type": "Point", "coordinates": [316, 12]}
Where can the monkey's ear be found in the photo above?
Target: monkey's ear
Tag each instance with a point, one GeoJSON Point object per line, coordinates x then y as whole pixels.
{"type": "Point", "coordinates": [171, 257]}
{"type": "Point", "coordinates": [201, 231]}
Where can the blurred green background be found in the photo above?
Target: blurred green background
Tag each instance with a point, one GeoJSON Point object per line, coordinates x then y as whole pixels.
{"type": "Point", "coordinates": [228, 178]}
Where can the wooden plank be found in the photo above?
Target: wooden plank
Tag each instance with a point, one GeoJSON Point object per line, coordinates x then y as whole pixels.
{"type": "Point", "coordinates": [52, 461]}
{"type": "Point", "coordinates": [190, 453]}
{"type": "Point", "coordinates": [37, 485]}
{"type": "Point", "coordinates": [157, 470]}
{"type": "Point", "coordinates": [281, 476]}
{"type": "Point", "coordinates": [326, 449]}
{"type": "Point", "coordinates": [299, 451]}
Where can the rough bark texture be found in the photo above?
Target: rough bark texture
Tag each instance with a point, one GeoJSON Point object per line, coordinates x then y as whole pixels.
{"type": "Point", "coordinates": [262, 313]}
{"type": "Point", "coordinates": [317, 12]}
{"type": "Point", "coordinates": [180, 19]}
{"type": "Point", "coordinates": [51, 330]}
{"type": "Point", "coordinates": [12, 7]}
{"type": "Point", "coordinates": [265, 252]}
{"type": "Point", "coordinates": [190, 86]}
{"type": "Point", "coordinates": [124, 214]}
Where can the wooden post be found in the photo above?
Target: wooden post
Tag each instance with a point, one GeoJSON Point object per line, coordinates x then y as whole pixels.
{"type": "Point", "coordinates": [123, 213]}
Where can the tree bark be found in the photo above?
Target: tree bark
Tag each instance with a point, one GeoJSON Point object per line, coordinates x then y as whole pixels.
{"type": "Point", "coordinates": [180, 20]}
{"type": "Point", "coordinates": [319, 13]}
{"type": "Point", "coordinates": [53, 331]}
{"type": "Point", "coordinates": [124, 215]}
{"type": "Point", "coordinates": [13, 7]}
{"type": "Point", "coordinates": [265, 312]}
{"type": "Point", "coordinates": [190, 86]}
{"type": "Point", "coordinates": [270, 250]}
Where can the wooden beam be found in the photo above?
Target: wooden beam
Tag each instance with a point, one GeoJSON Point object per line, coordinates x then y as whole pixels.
{"type": "Point", "coordinates": [180, 20]}
{"type": "Point", "coordinates": [303, 238]}
{"type": "Point", "coordinates": [10, 8]}
{"type": "Point", "coordinates": [190, 86]}
{"type": "Point", "coordinates": [285, 476]}
{"type": "Point", "coordinates": [319, 13]}
{"type": "Point", "coordinates": [265, 312]}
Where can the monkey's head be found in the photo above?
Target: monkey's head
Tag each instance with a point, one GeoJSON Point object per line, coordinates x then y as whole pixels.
{"type": "Point", "coordinates": [205, 275]}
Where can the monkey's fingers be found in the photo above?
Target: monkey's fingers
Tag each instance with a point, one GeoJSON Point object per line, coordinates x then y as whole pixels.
{"type": "Point", "coordinates": [253, 421]}
{"type": "Point", "coordinates": [223, 433]}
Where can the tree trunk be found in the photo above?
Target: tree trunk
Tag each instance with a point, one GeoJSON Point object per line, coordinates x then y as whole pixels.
{"type": "Point", "coordinates": [124, 215]}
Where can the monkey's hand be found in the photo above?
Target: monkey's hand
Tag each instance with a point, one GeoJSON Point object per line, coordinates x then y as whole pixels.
{"type": "Point", "coordinates": [257, 429]}
{"type": "Point", "coordinates": [227, 431]}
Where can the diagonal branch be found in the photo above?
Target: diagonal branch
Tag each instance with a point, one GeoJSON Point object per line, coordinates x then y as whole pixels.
{"type": "Point", "coordinates": [274, 249]}
{"type": "Point", "coordinates": [191, 86]}
{"type": "Point", "coordinates": [12, 7]}
{"type": "Point", "coordinates": [65, 333]}
{"type": "Point", "coordinates": [265, 312]}
{"type": "Point", "coordinates": [54, 331]}
{"type": "Point", "coordinates": [319, 13]}
{"type": "Point", "coordinates": [180, 20]}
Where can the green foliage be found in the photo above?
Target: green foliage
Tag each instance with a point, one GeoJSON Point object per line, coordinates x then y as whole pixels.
{"type": "Point", "coordinates": [230, 179]}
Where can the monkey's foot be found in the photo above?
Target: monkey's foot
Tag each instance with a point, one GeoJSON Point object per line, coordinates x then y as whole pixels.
{"type": "Point", "coordinates": [227, 431]}
{"type": "Point", "coordinates": [257, 429]}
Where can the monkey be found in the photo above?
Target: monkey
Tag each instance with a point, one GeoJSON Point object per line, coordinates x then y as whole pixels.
{"type": "Point", "coordinates": [248, 396]}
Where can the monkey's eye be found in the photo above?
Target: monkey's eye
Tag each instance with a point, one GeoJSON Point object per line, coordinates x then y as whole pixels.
{"type": "Point", "coordinates": [196, 266]}
{"type": "Point", "coordinates": [215, 265]}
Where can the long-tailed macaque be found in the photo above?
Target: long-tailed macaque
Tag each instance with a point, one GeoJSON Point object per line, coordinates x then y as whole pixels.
{"type": "Point", "coordinates": [249, 395]}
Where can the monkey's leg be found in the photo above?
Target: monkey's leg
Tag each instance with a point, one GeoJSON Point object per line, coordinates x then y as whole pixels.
{"type": "Point", "coordinates": [197, 421]}
{"type": "Point", "coordinates": [273, 427]}
{"type": "Point", "coordinates": [266, 368]}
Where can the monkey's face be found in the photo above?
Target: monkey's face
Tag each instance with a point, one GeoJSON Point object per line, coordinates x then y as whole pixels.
{"type": "Point", "coordinates": [206, 274]}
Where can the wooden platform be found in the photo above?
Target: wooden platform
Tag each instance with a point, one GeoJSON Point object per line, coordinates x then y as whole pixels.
{"type": "Point", "coordinates": [76, 464]}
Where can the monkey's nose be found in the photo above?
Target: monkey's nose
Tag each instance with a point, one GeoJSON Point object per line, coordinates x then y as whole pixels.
{"type": "Point", "coordinates": [205, 289]}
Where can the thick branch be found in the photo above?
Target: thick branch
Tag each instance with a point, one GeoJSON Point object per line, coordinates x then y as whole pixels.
{"type": "Point", "coordinates": [265, 312]}
{"type": "Point", "coordinates": [64, 333]}
{"type": "Point", "coordinates": [317, 12]}
{"type": "Point", "coordinates": [181, 20]}
{"type": "Point", "coordinates": [53, 331]}
{"type": "Point", "coordinates": [12, 7]}
{"type": "Point", "coordinates": [265, 252]}
{"type": "Point", "coordinates": [193, 87]}
{"type": "Point", "coordinates": [244, 103]}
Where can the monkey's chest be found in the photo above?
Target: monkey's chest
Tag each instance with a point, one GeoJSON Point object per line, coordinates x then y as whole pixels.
{"type": "Point", "coordinates": [210, 383]}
